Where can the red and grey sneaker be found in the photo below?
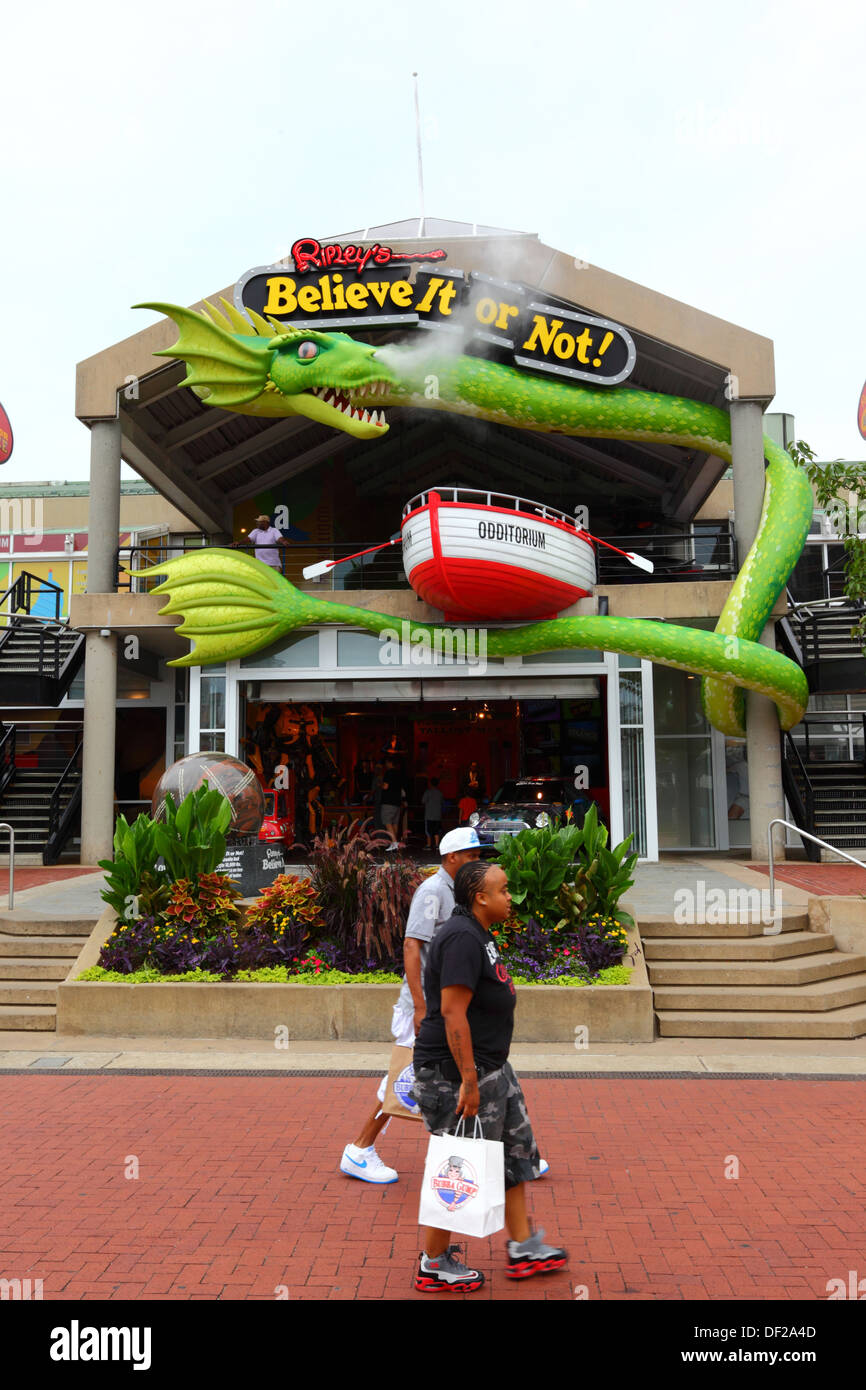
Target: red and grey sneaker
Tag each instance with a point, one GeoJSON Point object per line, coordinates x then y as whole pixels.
{"type": "Point", "coordinates": [532, 1256]}
{"type": "Point", "coordinates": [446, 1272]}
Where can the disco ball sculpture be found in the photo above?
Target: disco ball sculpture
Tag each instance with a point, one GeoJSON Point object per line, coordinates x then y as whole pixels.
{"type": "Point", "coordinates": [237, 782]}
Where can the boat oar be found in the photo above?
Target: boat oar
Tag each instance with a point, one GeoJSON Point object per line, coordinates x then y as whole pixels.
{"type": "Point", "coordinates": [313, 571]}
{"type": "Point", "coordinates": [637, 560]}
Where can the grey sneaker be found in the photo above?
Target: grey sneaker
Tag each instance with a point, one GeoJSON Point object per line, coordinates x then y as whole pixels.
{"type": "Point", "coordinates": [532, 1256]}
{"type": "Point", "coordinates": [446, 1272]}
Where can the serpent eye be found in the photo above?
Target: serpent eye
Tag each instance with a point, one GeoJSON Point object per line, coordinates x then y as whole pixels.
{"type": "Point", "coordinates": [307, 351]}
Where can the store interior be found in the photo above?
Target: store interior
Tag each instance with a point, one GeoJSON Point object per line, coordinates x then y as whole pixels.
{"type": "Point", "coordinates": [332, 751]}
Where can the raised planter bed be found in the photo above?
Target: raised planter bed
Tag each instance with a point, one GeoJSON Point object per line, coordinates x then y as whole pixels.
{"type": "Point", "coordinates": [352, 1013]}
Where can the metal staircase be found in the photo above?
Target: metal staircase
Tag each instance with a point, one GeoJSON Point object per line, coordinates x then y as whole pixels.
{"type": "Point", "coordinates": [40, 786]}
{"type": "Point", "coordinates": [818, 635]}
{"type": "Point", "coordinates": [39, 655]}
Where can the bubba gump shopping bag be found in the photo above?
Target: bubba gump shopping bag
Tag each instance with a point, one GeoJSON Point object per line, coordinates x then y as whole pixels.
{"type": "Point", "coordinates": [401, 1078]}
{"type": "Point", "coordinates": [464, 1184]}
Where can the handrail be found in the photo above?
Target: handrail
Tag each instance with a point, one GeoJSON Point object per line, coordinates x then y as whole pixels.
{"type": "Point", "coordinates": [803, 833]}
{"type": "Point", "coordinates": [55, 815]}
{"type": "Point", "coordinates": [4, 825]}
{"type": "Point", "coordinates": [7, 757]}
{"type": "Point", "coordinates": [25, 582]}
{"type": "Point", "coordinates": [805, 809]}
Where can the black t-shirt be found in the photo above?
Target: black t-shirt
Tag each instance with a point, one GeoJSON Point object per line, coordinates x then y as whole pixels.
{"type": "Point", "coordinates": [463, 953]}
{"type": "Point", "coordinates": [392, 787]}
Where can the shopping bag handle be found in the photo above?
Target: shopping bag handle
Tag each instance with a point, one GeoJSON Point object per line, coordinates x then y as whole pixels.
{"type": "Point", "coordinates": [477, 1133]}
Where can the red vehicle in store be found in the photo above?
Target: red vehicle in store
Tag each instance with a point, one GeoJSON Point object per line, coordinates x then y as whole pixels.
{"type": "Point", "coordinates": [279, 819]}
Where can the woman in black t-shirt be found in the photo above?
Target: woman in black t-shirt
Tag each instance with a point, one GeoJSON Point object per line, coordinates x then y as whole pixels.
{"type": "Point", "coordinates": [461, 1068]}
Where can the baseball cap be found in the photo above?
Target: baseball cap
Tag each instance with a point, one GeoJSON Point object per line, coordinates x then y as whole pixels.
{"type": "Point", "coordinates": [464, 837]}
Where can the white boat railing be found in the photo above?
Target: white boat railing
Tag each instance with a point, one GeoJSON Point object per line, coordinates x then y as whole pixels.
{"type": "Point", "coordinates": [479, 498]}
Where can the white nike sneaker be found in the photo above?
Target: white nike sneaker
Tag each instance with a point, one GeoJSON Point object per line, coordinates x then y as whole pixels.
{"type": "Point", "coordinates": [544, 1168]}
{"type": "Point", "coordinates": [366, 1165]}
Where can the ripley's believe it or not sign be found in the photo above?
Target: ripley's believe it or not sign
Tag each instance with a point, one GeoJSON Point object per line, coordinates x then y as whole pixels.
{"type": "Point", "coordinates": [349, 286]}
{"type": "Point", "coordinates": [271, 354]}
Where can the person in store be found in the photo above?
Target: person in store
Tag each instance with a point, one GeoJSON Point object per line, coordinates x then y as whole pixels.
{"type": "Point", "coordinates": [466, 806]}
{"type": "Point", "coordinates": [393, 800]}
{"type": "Point", "coordinates": [462, 1069]}
{"type": "Point", "coordinates": [432, 803]}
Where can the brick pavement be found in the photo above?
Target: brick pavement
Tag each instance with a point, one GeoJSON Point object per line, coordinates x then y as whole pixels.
{"type": "Point", "coordinates": [35, 876]}
{"type": "Point", "coordinates": [238, 1189]}
{"type": "Point", "coordinates": [824, 879]}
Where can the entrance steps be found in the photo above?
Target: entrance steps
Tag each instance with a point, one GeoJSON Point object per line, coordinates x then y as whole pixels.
{"type": "Point", "coordinates": [36, 954]}
{"type": "Point", "coordinates": [732, 980]}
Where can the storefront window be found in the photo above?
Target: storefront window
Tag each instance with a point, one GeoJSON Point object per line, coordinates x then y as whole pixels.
{"type": "Point", "coordinates": [632, 752]}
{"type": "Point", "coordinates": [684, 762]}
{"type": "Point", "coordinates": [181, 706]}
{"type": "Point", "coordinates": [212, 712]}
{"type": "Point", "coordinates": [299, 651]}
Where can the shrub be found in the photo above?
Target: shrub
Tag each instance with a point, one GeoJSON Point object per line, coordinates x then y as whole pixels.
{"type": "Point", "coordinates": [364, 904]}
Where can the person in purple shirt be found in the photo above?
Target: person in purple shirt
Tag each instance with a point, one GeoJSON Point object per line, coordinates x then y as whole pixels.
{"type": "Point", "coordinates": [267, 540]}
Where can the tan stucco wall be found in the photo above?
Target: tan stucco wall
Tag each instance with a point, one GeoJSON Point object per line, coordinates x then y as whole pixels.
{"type": "Point", "coordinates": [72, 513]}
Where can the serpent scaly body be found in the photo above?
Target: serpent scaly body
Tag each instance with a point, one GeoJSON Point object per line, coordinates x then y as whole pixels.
{"type": "Point", "coordinates": [233, 605]}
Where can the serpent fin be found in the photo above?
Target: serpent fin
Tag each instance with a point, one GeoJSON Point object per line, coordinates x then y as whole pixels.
{"type": "Point", "coordinates": [231, 370]}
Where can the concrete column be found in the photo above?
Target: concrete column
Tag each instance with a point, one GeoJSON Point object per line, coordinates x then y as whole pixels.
{"type": "Point", "coordinates": [766, 797]}
{"type": "Point", "coordinates": [100, 653]}
{"type": "Point", "coordinates": [104, 522]}
{"type": "Point", "coordinates": [100, 720]}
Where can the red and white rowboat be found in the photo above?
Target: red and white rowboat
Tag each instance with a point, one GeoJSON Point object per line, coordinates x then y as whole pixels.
{"type": "Point", "coordinates": [490, 555]}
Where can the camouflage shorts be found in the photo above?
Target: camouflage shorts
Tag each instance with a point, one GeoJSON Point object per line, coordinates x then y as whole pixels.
{"type": "Point", "coordinates": [502, 1113]}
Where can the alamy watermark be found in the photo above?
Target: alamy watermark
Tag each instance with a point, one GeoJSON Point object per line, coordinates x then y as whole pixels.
{"type": "Point", "coordinates": [716, 906]}
{"type": "Point", "coordinates": [440, 646]}
{"type": "Point", "coordinates": [22, 516]}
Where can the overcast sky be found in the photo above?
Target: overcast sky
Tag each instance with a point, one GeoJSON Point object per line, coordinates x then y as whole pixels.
{"type": "Point", "coordinates": [712, 152]}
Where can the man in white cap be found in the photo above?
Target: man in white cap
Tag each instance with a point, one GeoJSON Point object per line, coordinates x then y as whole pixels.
{"type": "Point", "coordinates": [432, 904]}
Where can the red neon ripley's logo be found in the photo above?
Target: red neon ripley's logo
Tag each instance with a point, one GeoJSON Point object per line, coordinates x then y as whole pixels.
{"type": "Point", "coordinates": [309, 254]}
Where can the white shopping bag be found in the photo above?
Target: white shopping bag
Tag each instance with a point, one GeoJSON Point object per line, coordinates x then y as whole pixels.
{"type": "Point", "coordinates": [464, 1184]}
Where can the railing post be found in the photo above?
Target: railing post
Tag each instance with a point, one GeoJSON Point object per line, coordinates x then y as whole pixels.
{"type": "Point", "coordinates": [4, 825]}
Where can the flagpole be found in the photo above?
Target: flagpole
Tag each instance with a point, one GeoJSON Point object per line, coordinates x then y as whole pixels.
{"type": "Point", "coordinates": [420, 162]}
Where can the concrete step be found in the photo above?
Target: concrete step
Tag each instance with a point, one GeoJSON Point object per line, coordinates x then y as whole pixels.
{"type": "Point", "coordinates": [662, 925]}
{"type": "Point", "coordinates": [764, 1023]}
{"type": "Point", "coordinates": [812, 998]}
{"type": "Point", "coordinates": [21, 923]}
{"type": "Point", "coordinates": [63, 947]}
{"type": "Point", "coordinates": [35, 967]}
{"type": "Point", "coordinates": [28, 992]}
{"type": "Point", "coordinates": [795, 943]}
{"type": "Point", "coordinates": [27, 1018]}
{"type": "Point", "coordinates": [795, 970]}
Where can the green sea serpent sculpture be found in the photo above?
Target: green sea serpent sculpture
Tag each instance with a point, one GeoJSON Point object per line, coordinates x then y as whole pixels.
{"type": "Point", "coordinates": [233, 605]}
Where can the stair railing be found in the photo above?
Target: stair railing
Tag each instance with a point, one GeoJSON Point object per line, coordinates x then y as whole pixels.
{"type": "Point", "coordinates": [7, 757]}
{"type": "Point", "coordinates": [5, 826]}
{"type": "Point", "coordinates": [814, 838]}
{"type": "Point", "coordinates": [803, 808]}
{"type": "Point", "coordinates": [60, 818]}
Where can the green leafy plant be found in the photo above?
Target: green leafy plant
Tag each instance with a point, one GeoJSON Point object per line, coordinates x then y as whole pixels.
{"type": "Point", "coordinates": [133, 868]}
{"type": "Point", "coordinates": [192, 841]}
{"type": "Point", "coordinates": [536, 862]}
